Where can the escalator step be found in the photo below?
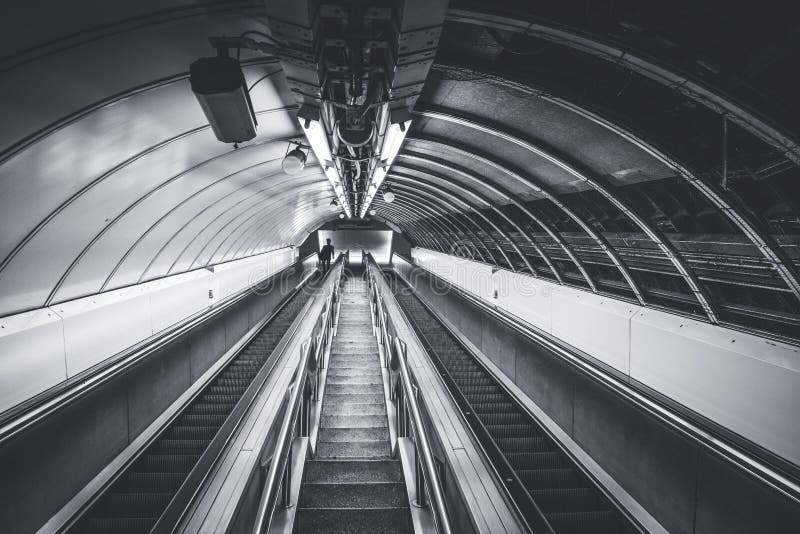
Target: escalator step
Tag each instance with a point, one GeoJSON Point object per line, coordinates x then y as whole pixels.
{"type": "Point", "coordinates": [495, 407]}
{"type": "Point", "coordinates": [483, 398]}
{"type": "Point", "coordinates": [227, 390]}
{"type": "Point", "coordinates": [536, 460]}
{"type": "Point", "coordinates": [516, 445]}
{"type": "Point", "coordinates": [583, 522]}
{"type": "Point", "coordinates": [222, 399]}
{"type": "Point", "coordinates": [480, 390]}
{"type": "Point", "coordinates": [239, 374]}
{"type": "Point", "coordinates": [192, 432]}
{"type": "Point", "coordinates": [181, 446]}
{"type": "Point", "coordinates": [203, 420]}
{"type": "Point", "coordinates": [464, 382]}
{"type": "Point", "coordinates": [491, 419]}
{"type": "Point", "coordinates": [512, 431]}
{"type": "Point", "coordinates": [152, 482]}
{"type": "Point", "coordinates": [231, 382]}
{"type": "Point", "coordinates": [564, 477]}
{"type": "Point", "coordinates": [560, 500]}
{"type": "Point", "coordinates": [168, 463]}
{"type": "Point", "coordinates": [134, 504]}
{"type": "Point", "coordinates": [117, 525]}
{"type": "Point", "coordinates": [204, 408]}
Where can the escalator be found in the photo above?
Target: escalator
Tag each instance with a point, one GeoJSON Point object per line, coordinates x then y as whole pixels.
{"type": "Point", "coordinates": [136, 500]}
{"type": "Point", "coordinates": [547, 486]}
{"type": "Point", "coordinates": [353, 484]}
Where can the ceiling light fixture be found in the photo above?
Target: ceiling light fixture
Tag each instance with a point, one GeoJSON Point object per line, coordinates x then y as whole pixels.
{"type": "Point", "coordinates": [295, 160]}
{"type": "Point", "coordinates": [318, 139]}
{"type": "Point", "coordinates": [396, 131]}
{"type": "Point", "coordinates": [388, 194]}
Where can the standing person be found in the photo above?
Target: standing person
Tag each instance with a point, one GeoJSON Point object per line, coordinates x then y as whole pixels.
{"type": "Point", "coordinates": [325, 255]}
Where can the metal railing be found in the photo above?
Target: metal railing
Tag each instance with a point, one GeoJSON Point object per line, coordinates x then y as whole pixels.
{"type": "Point", "coordinates": [406, 395]}
{"type": "Point", "coordinates": [299, 395]}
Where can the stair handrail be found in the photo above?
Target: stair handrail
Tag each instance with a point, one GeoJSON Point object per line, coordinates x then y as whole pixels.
{"type": "Point", "coordinates": [298, 396]}
{"type": "Point", "coordinates": [408, 404]}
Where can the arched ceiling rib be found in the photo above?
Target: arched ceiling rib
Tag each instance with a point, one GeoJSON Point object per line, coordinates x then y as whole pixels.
{"type": "Point", "coordinates": [485, 162]}
{"type": "Point", "coordinates": [478, 222]}
{"type": "Point", "coordinates": [574, 168]}
{"type": "Point", "coordinates": [443, 167]}
{"type": "Point", "coordinates": [693, 86]}
{"type": "Point", "coordinates": [427, 211]}
{"type": "Point", "coordinates": [590, 174]}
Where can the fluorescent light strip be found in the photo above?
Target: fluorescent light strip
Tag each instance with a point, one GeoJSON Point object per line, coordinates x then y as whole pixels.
{"type": "Point", "coordinates": [318, 140]}
{"type": "Point", "coordinates": [392, 141]}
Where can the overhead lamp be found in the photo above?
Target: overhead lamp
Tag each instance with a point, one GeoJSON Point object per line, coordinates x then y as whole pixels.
{"type": "Point", "coordinates": [399, 124]}
{"type": "Point", "coordinates": [393, 137]}
{"type": "Point", "coordinates": [318, 140]}
{"type": "Point", "coordinates": [388, 194]}
{"type": "Point", "coordinates": [334, 205]}
{"type": "Point", "coordinates": [372, 212]}
{"type": "Point", "coordinates": [219, 86]}
{"type": "Point", "coordinates": [341, 215]}
{"type": "Point", "coordinates": [294, 161]}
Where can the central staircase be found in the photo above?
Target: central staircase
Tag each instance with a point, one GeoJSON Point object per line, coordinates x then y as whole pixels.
{"type": "Point", "coordinates": [353, 485]}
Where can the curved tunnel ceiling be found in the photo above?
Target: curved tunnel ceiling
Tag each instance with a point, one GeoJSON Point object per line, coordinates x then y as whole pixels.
{"type": "Point", "coordinates": [533, 148]}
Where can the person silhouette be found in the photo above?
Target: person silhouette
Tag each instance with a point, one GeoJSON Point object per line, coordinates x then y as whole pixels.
{"type": "Point", "coordinates": [325, 255]}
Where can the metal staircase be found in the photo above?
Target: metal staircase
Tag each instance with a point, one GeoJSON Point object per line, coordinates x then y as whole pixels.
{"type": "Point", "coordinates": [352, 484]}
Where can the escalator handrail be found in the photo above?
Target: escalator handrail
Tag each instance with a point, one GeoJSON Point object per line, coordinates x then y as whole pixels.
{"type": "Point", "coordinates": [295, 395]}
{"type": "Point", "coordinates": [724, 448]}
{"type": "Point", "coordinates": [422, 441]}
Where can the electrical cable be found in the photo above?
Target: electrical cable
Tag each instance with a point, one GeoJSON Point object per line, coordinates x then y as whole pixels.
{"type": "Point", "coordinates": [267, 75]}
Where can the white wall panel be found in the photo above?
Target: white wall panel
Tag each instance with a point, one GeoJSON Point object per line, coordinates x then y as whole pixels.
{"type": "Point", "coordinates": [186, 294]}
{"type": "Point", "coordinates": [41, 348]}
{"type": "Point", "coordinates": [597, 325]}
{"type": "Point", "coordinates": [102, 325]}
{"type": "Point", "coordinates": [748, 384]}
{"type": "Point", "coordinates": [528, 298]}
{"type": "Point", "coordinates": [31, 355]}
